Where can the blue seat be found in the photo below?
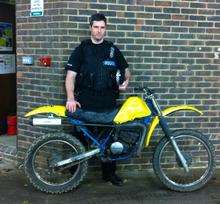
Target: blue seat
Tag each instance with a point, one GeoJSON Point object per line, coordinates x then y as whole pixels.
{"type": "Point", "coordinates": [93, 117]}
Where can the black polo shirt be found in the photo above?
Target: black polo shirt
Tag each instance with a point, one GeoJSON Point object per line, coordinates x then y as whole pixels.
{"type": "Point", "coordinates": [87, 98]}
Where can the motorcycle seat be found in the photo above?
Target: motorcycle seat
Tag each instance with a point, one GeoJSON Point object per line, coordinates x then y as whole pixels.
{"type": "Point", "coordinates": [93, 117]}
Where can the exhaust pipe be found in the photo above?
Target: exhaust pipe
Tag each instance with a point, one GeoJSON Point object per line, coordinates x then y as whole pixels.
{"type": "Point", "coordinates": [78, 158]}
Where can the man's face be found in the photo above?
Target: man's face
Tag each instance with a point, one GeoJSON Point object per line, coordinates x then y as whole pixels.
{"type": "Point", "coordinates": [98, 29]}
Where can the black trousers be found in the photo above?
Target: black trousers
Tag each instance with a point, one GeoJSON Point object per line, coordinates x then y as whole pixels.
{"type": "Point", "coordinates": [108, 169]}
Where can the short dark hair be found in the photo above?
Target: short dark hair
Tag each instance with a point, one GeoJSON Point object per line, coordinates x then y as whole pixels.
{"type": "Point", "coordinates": [97, 17]}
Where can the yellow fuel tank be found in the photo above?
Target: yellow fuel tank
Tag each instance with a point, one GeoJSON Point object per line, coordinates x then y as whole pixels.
{"type": "Point", "coordinates": [134, 107]}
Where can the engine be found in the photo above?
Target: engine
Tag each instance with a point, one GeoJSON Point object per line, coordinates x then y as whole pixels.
{"type": "Point", "coordinates": [117, 148]}
{"type": "Point", "coordinates": [124, 140]}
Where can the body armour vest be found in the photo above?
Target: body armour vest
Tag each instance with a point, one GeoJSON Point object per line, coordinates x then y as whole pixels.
{"type": "Point", "coordinates": [98, 69]}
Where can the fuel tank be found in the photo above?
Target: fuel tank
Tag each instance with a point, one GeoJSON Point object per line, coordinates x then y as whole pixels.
{"type": "Point", "coordinates": [134, 107]}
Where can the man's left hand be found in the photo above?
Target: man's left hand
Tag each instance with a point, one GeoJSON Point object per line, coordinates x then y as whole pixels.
{"type": "Point", "coordinates": [124, 85]}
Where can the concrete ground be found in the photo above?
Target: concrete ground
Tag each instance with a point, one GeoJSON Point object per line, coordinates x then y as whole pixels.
{"type": "Point", "coordinates": [8, 147]}
{"type": "Point", "coordinates": [138, 188]}
{"type": "Point", "coordinates": [8, 140]}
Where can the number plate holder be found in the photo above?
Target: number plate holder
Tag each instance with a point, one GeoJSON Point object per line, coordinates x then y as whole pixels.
{"type": "Point", "coordinates": [46, 121]}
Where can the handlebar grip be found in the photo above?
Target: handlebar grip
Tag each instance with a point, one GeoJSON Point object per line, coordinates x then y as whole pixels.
{"type": "Point", "coordinates": [138, 88]}
{"type": "Point", "coordinates": [149, 91]}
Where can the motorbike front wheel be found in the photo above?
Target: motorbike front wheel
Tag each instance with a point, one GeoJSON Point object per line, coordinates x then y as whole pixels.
{"type": "Point", "coordinates": [199, 154]}
{"type": "Point", "coordinates": [46, 151]}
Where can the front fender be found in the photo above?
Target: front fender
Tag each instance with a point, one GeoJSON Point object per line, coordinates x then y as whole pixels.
{"type": "Point", "coordinates": [58, 110]}
{"type": "Point", "coordinates": [173, 109]}
{"type": "Point", "coordinates": [166, 112]}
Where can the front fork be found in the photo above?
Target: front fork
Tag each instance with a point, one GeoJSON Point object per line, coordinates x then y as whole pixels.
{"type": "Point", "coordinates": [166, 130]}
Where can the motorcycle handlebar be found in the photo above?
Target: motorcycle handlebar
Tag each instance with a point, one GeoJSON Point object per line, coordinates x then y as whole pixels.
{"type": "Point", "coordinates": [145, 90]}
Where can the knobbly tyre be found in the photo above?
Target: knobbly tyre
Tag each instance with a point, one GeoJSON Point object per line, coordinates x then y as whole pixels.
{"type": "Point", "coordinates": [183, 160]}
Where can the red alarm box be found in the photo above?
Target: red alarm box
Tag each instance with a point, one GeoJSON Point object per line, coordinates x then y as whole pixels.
{"type": "Point", "coordinates": [45, 61]}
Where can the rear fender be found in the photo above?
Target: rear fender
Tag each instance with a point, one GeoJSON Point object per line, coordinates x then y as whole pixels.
{"type": "Point", "coordinates": [166, 112]}
{"type": "Point", "coordinates": [57, 110]}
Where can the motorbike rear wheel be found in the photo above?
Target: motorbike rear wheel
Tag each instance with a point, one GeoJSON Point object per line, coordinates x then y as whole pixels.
{"type": "Point", "coordinates": [45, 151]}
{"type": "Point", "coordinates": [199, 154]}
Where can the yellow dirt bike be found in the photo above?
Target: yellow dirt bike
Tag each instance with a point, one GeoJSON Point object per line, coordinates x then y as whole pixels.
{"type": "Point", "coordinates": [57, 162]}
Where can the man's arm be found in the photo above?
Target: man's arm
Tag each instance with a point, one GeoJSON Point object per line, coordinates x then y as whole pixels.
{"type": "Point", "coordinates": [71, 103]}
{"type": "Point", "coordinates": [124, 85]}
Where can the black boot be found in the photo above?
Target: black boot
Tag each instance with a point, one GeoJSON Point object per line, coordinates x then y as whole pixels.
{"type": "Point", "coordinates": [118, 178]}
{"type": "Point", "coordinates": [108, 173]}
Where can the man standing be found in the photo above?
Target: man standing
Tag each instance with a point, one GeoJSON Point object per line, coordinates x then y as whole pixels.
{"type": "Point", "coordinates": [92, 79]}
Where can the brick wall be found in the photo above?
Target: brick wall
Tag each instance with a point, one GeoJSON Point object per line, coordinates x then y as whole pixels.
{"type": "Point", "coordinates": [171, 46]}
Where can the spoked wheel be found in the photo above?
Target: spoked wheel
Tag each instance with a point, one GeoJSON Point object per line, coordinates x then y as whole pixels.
{"type": "Point", "coordinates": [199, 154]}
{"type": "Point", "coordinates": [44, 153]}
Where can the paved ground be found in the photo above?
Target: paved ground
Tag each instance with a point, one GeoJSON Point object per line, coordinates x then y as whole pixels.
{"type": "Point", "coordinates": [139, 188]}
{"type": "Point", "coordinates": [8, 147]}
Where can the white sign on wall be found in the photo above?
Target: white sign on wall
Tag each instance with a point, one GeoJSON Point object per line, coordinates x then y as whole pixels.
{"type": "Point", "coordinates": [37, 8]}
{"type": "Point", "coordinates": [7, 63]}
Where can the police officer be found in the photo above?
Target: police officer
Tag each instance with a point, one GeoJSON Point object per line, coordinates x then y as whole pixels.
{"type": "Point", "coordinates": [92, 81]}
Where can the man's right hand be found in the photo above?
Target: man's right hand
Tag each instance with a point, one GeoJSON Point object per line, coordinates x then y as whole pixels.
{"type": "Point", "coordinates": [72, 104]}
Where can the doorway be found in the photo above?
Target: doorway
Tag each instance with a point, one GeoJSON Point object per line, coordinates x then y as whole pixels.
{"type": "Point", "coordinates": [8, 112]}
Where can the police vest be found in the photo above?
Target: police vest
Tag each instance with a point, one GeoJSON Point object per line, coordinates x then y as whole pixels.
{"type": "Point", "coordinates": [97, 73]}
